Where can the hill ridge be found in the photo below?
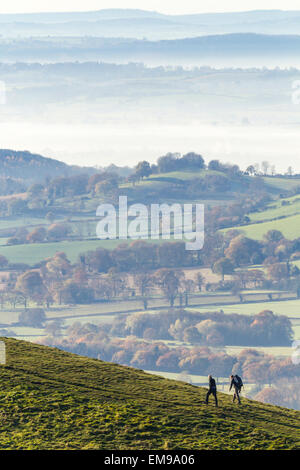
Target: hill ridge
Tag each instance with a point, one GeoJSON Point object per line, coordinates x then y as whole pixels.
{"type": "Point", "coordinates": [30, 166]}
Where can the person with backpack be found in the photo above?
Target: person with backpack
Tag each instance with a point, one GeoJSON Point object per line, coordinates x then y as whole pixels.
{"type": "Point", "coordinates": [237, 384]}
{"type": "Point", "coordinates": [212, 390]}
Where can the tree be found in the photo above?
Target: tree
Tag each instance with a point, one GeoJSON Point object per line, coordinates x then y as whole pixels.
{"type": "Point", "coordinates": [192, 161]}
{"type": "Point", "coordinates": [278, 271]}
{"type": "Point", "coordinates": [108, 188]}
{"type": "Point", "coordinates": [241, 250]}
{"type": "Point", "coordinates": [169, 282]}
{"type": "Point", "coordinates": [251, 170]}
{"type": "Point", "coordinates": [117, 282]}
{"type": "Point", "coordinates": [59, 266]}
{"type": "Point", "coordinates": [38, 235]}
{"type": "Point", "coordinates": [200, 281]}
{"type": "Point", "coordinates": [186, 287]}
{"type": "Point", "coordinates": [214, 165]}
{"type": "Point", "coordinates": [168, 163]}
{"type": "Point", "coordinates": [265, 167]}
{"type": "Point", "coordinates": [58, 231]}
{"type": "Point", "coordinates": [73, 293]}
{"type": "Point", "coordinates": [273, 236]}
{"type": "Point", "coordinates": [54, 328]}
{"type": "Point", "coordinates": [236, 290]}
{"type": "Point", "coordinates": [133, 179]}
{"type": "Point", "coordinates": [32, 317]}
{"type": "Point", "coordinates": [223, 266]}
{"type": "Point", "coordinates": [99, 260]}
{"type": "Point", "coordinates": [31, 283]}
{"type": "Point", "coordinates": [143, 169]}
{"type": "Point", "coordinates": [144, 282]}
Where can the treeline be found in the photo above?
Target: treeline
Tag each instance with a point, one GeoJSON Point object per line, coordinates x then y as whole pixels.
{"type": "Point", "coordinates": [176, 162]}
{"type": "Point", "coordinates": [138, 256]}
{"type": "Point", "coordinates": [41, 197]}
{"type": "Point", "coordinates": [105, 274]}
{"type": "Point", "coordinates": [93, 341]}
{"type": "Point", "coordinates": [216, 329]}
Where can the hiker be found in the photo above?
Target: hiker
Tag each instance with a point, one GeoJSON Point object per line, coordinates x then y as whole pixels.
{"type": "Point", "coordinates": [212, 390]}
{"type": "Point", "coordinates": [237, 384]}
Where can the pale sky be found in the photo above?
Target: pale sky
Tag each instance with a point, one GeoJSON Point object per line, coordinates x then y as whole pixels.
{"type": "Point", "coordinates": [163, 6]}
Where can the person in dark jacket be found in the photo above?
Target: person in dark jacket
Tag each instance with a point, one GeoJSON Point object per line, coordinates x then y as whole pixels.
{"type": "Point", "coordinates": [237, 388]}
{"type": "Point", "coordinates": [212, 390]}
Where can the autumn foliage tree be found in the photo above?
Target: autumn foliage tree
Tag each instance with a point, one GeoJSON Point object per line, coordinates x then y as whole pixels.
{"type": "Point", "coordinates": [169, 282]}
{"type": "Point", "coordinates": [242, 249]}
{"type": "Point", "coordinates": [31, 284]}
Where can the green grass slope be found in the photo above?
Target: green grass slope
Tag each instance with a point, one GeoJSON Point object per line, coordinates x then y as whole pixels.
{"type": "Point", "coordinates": [51, 399]}
{"type": "Point", "coordinates": [288, 226]}
{"type": "Point", "coordinates": [286, 207]}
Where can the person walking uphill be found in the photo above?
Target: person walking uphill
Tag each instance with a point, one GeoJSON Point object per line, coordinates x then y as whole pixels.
{"type": "Point", "coordinates": [237, 384]}
{"type": "Point", "coordinates": [212, 390]}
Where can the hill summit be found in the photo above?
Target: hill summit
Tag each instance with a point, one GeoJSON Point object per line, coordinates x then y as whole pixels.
{"type": "Point", "coordinates": [52, 399]}
{"type": "Point", "coordinates": [33, 167]}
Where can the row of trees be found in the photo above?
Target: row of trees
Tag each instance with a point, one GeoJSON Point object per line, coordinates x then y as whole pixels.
{"type": "Point", "coordinates": [55, 232]}
{"type": "Point", "coordinates": [58, 281]}
{"type": "Point", "coordinates": [93, 341]}
{"type": "Point", "coordinates": [217, 329]}
{"type": "Point", "coordinates": [176, 162]}
{"type": "Point", "coordinates": [101, 274]}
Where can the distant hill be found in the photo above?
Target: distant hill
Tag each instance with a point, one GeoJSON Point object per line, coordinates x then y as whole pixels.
{"type": "Point", "coordinates": [62, 17]}
{"type": "Point", "coordinates": [199, 50]}
{"type": "Point", "coordinates": [149, 24]}
{"type": "Point", "coordinates": [51, 399]}
{"type": "Point", "coordinates": [31, 167]}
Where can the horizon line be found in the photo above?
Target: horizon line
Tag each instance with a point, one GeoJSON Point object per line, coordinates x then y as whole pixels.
{"type": "Point", "coordinates": [220, 12]}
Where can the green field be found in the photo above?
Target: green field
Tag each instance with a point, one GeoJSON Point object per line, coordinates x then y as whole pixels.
{"type": "Point", "coordinates": [184, 175]}
{"type": "Point", "coordinates": [276, 210]}
{"type": "Point", "coordinates": [289, 226]}
{"type": "Point", "coordinates": [34, 253]}
{"type": "Point", "coordinates": [282, 214]}
{"type": "Point", "coordinates": [55, 400]}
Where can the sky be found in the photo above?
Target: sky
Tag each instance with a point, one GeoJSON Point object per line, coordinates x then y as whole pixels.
{"type": "Point", "coordinates": [163, 6]}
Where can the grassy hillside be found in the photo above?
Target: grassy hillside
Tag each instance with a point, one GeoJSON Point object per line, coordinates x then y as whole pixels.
{"type": "Point", "coordinates": [55, 400]}
{"type": "Point", "coordinates": [288, 226]}
{"type": "Point", "coordinates": [282, 214]}
{"type": "Point", "coordinates": [281, 183]}
{"type": "Point", "coordinates": [286, 207]}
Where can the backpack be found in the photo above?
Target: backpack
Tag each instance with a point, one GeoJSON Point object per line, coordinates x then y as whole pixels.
{"type": "Point", "coordinates": [238, 381]}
